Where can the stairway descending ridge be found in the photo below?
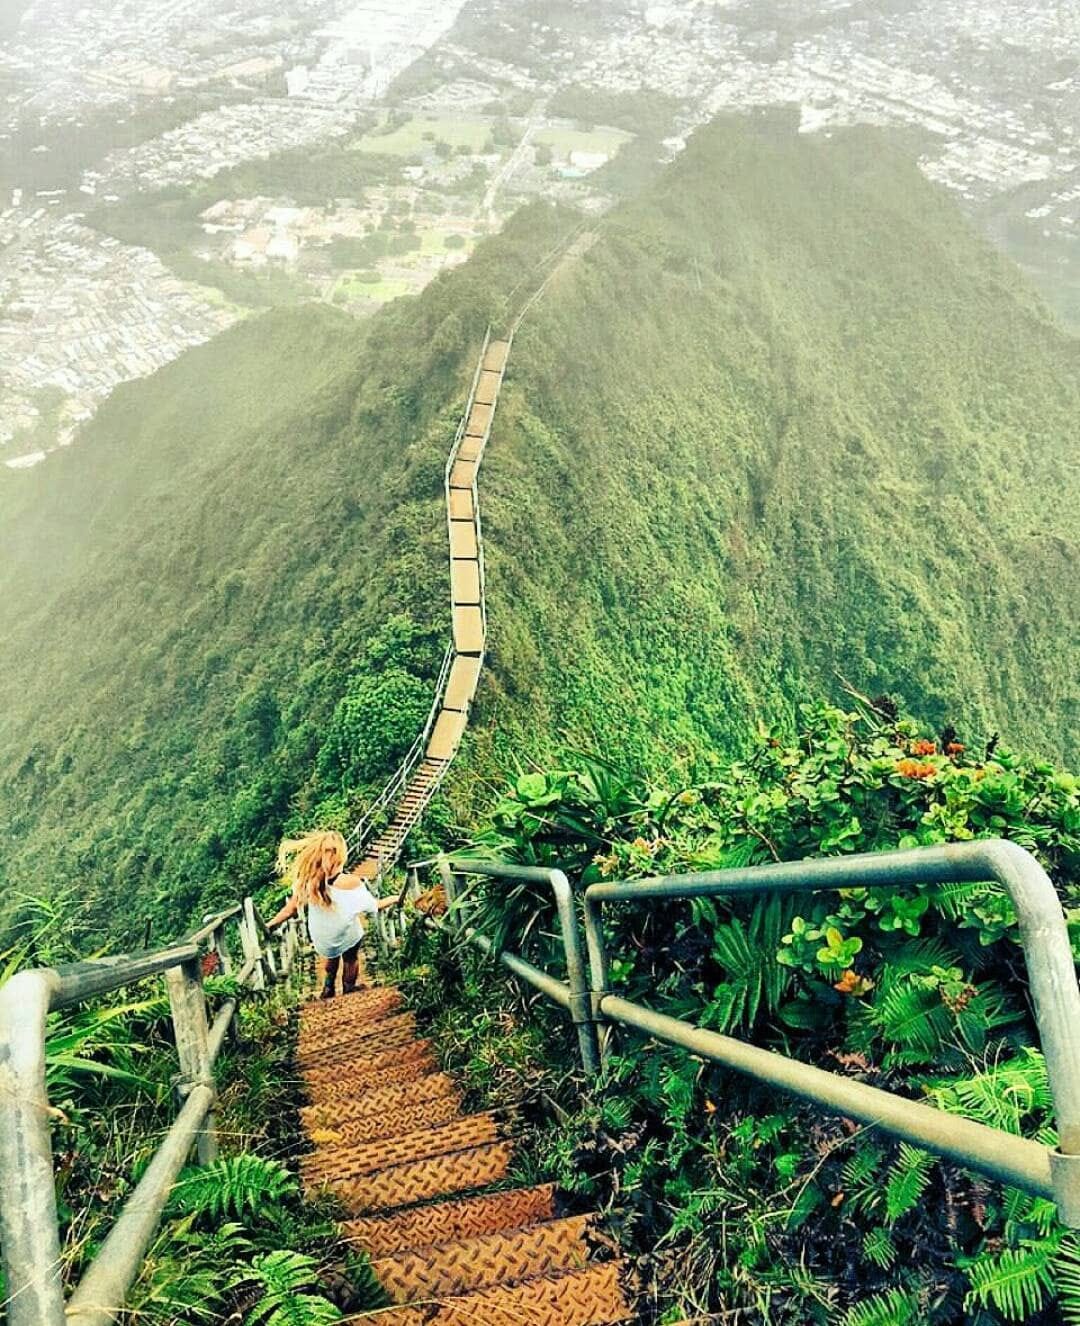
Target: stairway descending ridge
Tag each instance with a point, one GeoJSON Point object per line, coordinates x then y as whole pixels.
{"type": "Point", "coordinates": [423, 770]}
{"type": "Point", "coordinates": [420, 1180]}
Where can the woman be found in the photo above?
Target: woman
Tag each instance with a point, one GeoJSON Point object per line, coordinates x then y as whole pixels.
{"type": "Point", "coordinates": [335, 900]}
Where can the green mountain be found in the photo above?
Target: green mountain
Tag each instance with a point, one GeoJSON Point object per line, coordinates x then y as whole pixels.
{"type": "Point", "coordinates": [781, 417]}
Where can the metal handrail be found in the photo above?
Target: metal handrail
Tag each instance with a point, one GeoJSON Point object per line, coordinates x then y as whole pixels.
{"type": "Point", "coordinates": [577, 985]}
{"type": "Point", "coordinates": [1045, 1171]}
{"type": "Point", "coordinates": [29, 1227]}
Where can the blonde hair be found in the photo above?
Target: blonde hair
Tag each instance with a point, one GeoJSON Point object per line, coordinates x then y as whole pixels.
{"type": "Point", "coordinates": [311, 862]}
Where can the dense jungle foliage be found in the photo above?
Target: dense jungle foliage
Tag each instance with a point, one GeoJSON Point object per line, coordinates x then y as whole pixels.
{"type": "Point", "coordinates": [237, 1242]}
{"type": "Point", "coordinates": [786, 417]}
{"type": "Point", "coordinates": [735, 1199]}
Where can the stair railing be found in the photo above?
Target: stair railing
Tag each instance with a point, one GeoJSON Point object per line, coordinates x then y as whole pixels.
{"type": "Point", "coordinates": [1052, 1173]}
{"type": "Point", "coordinates": [29, 1229]}
{"type": "Point", "coordinates": [395, 785]}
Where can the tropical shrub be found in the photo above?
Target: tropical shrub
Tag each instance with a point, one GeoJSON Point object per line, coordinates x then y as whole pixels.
{"type": "Point", "coordinates": [757, 1203]}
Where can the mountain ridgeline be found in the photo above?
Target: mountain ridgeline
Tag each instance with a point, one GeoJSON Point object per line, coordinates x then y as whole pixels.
{"type": "Point", "coordinates": [784, 419]}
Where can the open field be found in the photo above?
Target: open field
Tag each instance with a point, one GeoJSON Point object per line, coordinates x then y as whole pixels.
{"type": "Point", "coordinates": [434, 241]}
{"type": "Point", "coordinates": [411, 139]}
{"type": "Point", "coordinates": [379, 292]}
{"type": "Point", "coordinates": [564, 141]}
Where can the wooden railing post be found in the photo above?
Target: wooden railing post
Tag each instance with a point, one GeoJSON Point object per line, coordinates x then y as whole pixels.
{"type": "Point", "coordinates": [188, 1003]}
{"type": "Point", "coordinates": [221, 948]}
{"type": "Point", "coordinates": [249, 938]}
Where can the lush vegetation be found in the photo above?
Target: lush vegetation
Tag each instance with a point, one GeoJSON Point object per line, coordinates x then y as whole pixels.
{"type": "Point", "coordinates": [737, 1200]}
{"type": "Point", "coordinates": [785, 418]}
{"type": "Point", "coordinates": [216, 580]}
{"type": "Point", "coordinates": [237, 1242]}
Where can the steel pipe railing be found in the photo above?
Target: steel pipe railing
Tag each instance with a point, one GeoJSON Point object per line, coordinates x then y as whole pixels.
{"type": "Point", "coordinates": [29, 1227]}
{"type": "Point", "coordinates": [1051, 976]}
{"type": "Point", "coordinates": [1044, 1171]}
{"type": "Point", "coordinates": [579, 1002]}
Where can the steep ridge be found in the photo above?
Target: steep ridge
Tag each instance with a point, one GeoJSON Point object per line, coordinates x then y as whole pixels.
{"type": "Point", "coordinates": [420, 1179]}
{"type": "Point", "coordinates": [786, 418]}
{"type": "Point", "coordinates": [410, 789]}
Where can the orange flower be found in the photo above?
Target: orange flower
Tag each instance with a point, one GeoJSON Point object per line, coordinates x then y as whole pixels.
{"type": "Point", "coordinates": [954, 748]}
{"type": "Point", "coordinates": [914, 769]}
{"type": "Point", "coordinates": [924, 747]}
{"type": "Point", "coordinates": [851, 983]}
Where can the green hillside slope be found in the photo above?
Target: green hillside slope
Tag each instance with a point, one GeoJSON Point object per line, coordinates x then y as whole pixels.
{"type": "Point", "coordinates": [786, 417]}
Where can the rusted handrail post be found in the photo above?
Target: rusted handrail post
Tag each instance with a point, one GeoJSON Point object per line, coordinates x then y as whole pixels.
{"type": "Point", "coordinates": [221, 948]}
{"type": "Point", "coordinates": [29, 1228]}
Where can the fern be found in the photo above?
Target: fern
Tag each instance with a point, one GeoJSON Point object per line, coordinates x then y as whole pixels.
{"type": "Point", "coordinates": [907, 1182]}
{"type": "Point", "coordinates": [913, 1018]}
{"type": "Point", "coordinates": [895, 1307]}
{"type": "Point", "coordinates": [860, 1178]}
{"type": "Point", "coordinates": [181, 1278]}
{"type": "Point", "coordinates": [1004, 1095]}
{"type": "Point", "coordinates": [284, 1277]}
{"type": "Point", "coordinates": [879, 1248]}
{"type": "Point", "coordinates": [1067, 1275]}
{"type": "Point", "coordinates": [1015, 1282]}
{"type": "Point", "coordinates": [235, 1185]}
{"type": "Point", "coordinates": [755, 981]}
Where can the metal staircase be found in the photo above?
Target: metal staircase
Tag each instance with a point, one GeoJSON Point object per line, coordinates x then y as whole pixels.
{"type": "Point", "coordinates": [377, 840]}
{"type": "Point", "coordinates": [419, 1179]}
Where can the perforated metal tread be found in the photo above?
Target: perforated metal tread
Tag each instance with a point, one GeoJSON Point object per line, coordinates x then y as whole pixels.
{"type": "Point", "coordinates": [590, 1297]}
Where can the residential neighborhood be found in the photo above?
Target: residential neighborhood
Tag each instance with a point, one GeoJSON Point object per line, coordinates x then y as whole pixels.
{"type": "Point", "coordinates": [433, 133]}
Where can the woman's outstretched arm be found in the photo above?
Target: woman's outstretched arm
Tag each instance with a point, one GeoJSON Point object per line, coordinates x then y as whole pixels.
{"type": "Point", "coordinates": [288, 910]}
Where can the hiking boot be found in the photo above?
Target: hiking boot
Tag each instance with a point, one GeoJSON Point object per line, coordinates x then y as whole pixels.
{"type": "Point", "coordinates": [328, 991]}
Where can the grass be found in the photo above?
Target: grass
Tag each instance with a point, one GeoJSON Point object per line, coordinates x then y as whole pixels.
{"type": "Point", "coordinates": [434, 241]}
{"type": "Point", "coordinates": [380, 292]}
{"type": "Point", "coordinates": [409, 140]}
{"type": "Point", "coordinates": [564, 141]}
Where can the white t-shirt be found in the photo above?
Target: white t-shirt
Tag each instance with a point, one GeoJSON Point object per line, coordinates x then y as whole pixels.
{"type": "Point", "coordinates": [335, 929]}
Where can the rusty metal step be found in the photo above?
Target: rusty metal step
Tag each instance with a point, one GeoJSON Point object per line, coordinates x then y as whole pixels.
{"type": "Point", "coordinates": [420, 1180]}
{"type": "Point", "coordinates": [495, 357]}
{"type": "Point", "coordinates": [593, 1296]}
{"type": "Point", "coordinates": [371, 1104]}
{"type": "Point", "coordinates": [316, 1053]}
{"type": "Point", "coordinates": [487, 386]}
{"type": "Point", "coordinates": [359, 1047]}
{"type": "Point", "coordinates": [364, 1005]}
{"type": "Point", "coordinates": [359, 1075]}
{"type": "Point", "coordinates": [351, 1161]}
{"type": "Point", "coordinates": [392, 1123]}
{"type": "Point", "coordinates": [340, 1090]}
{"type": "Point", "coordinates": [358, 1040]}
{"type": "Point", "coordinates": [503, 1258]}
{"type": "Point", "coordinates": [364, 1029]}
{"type": "Point", "coordinates": [450, 1222]}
